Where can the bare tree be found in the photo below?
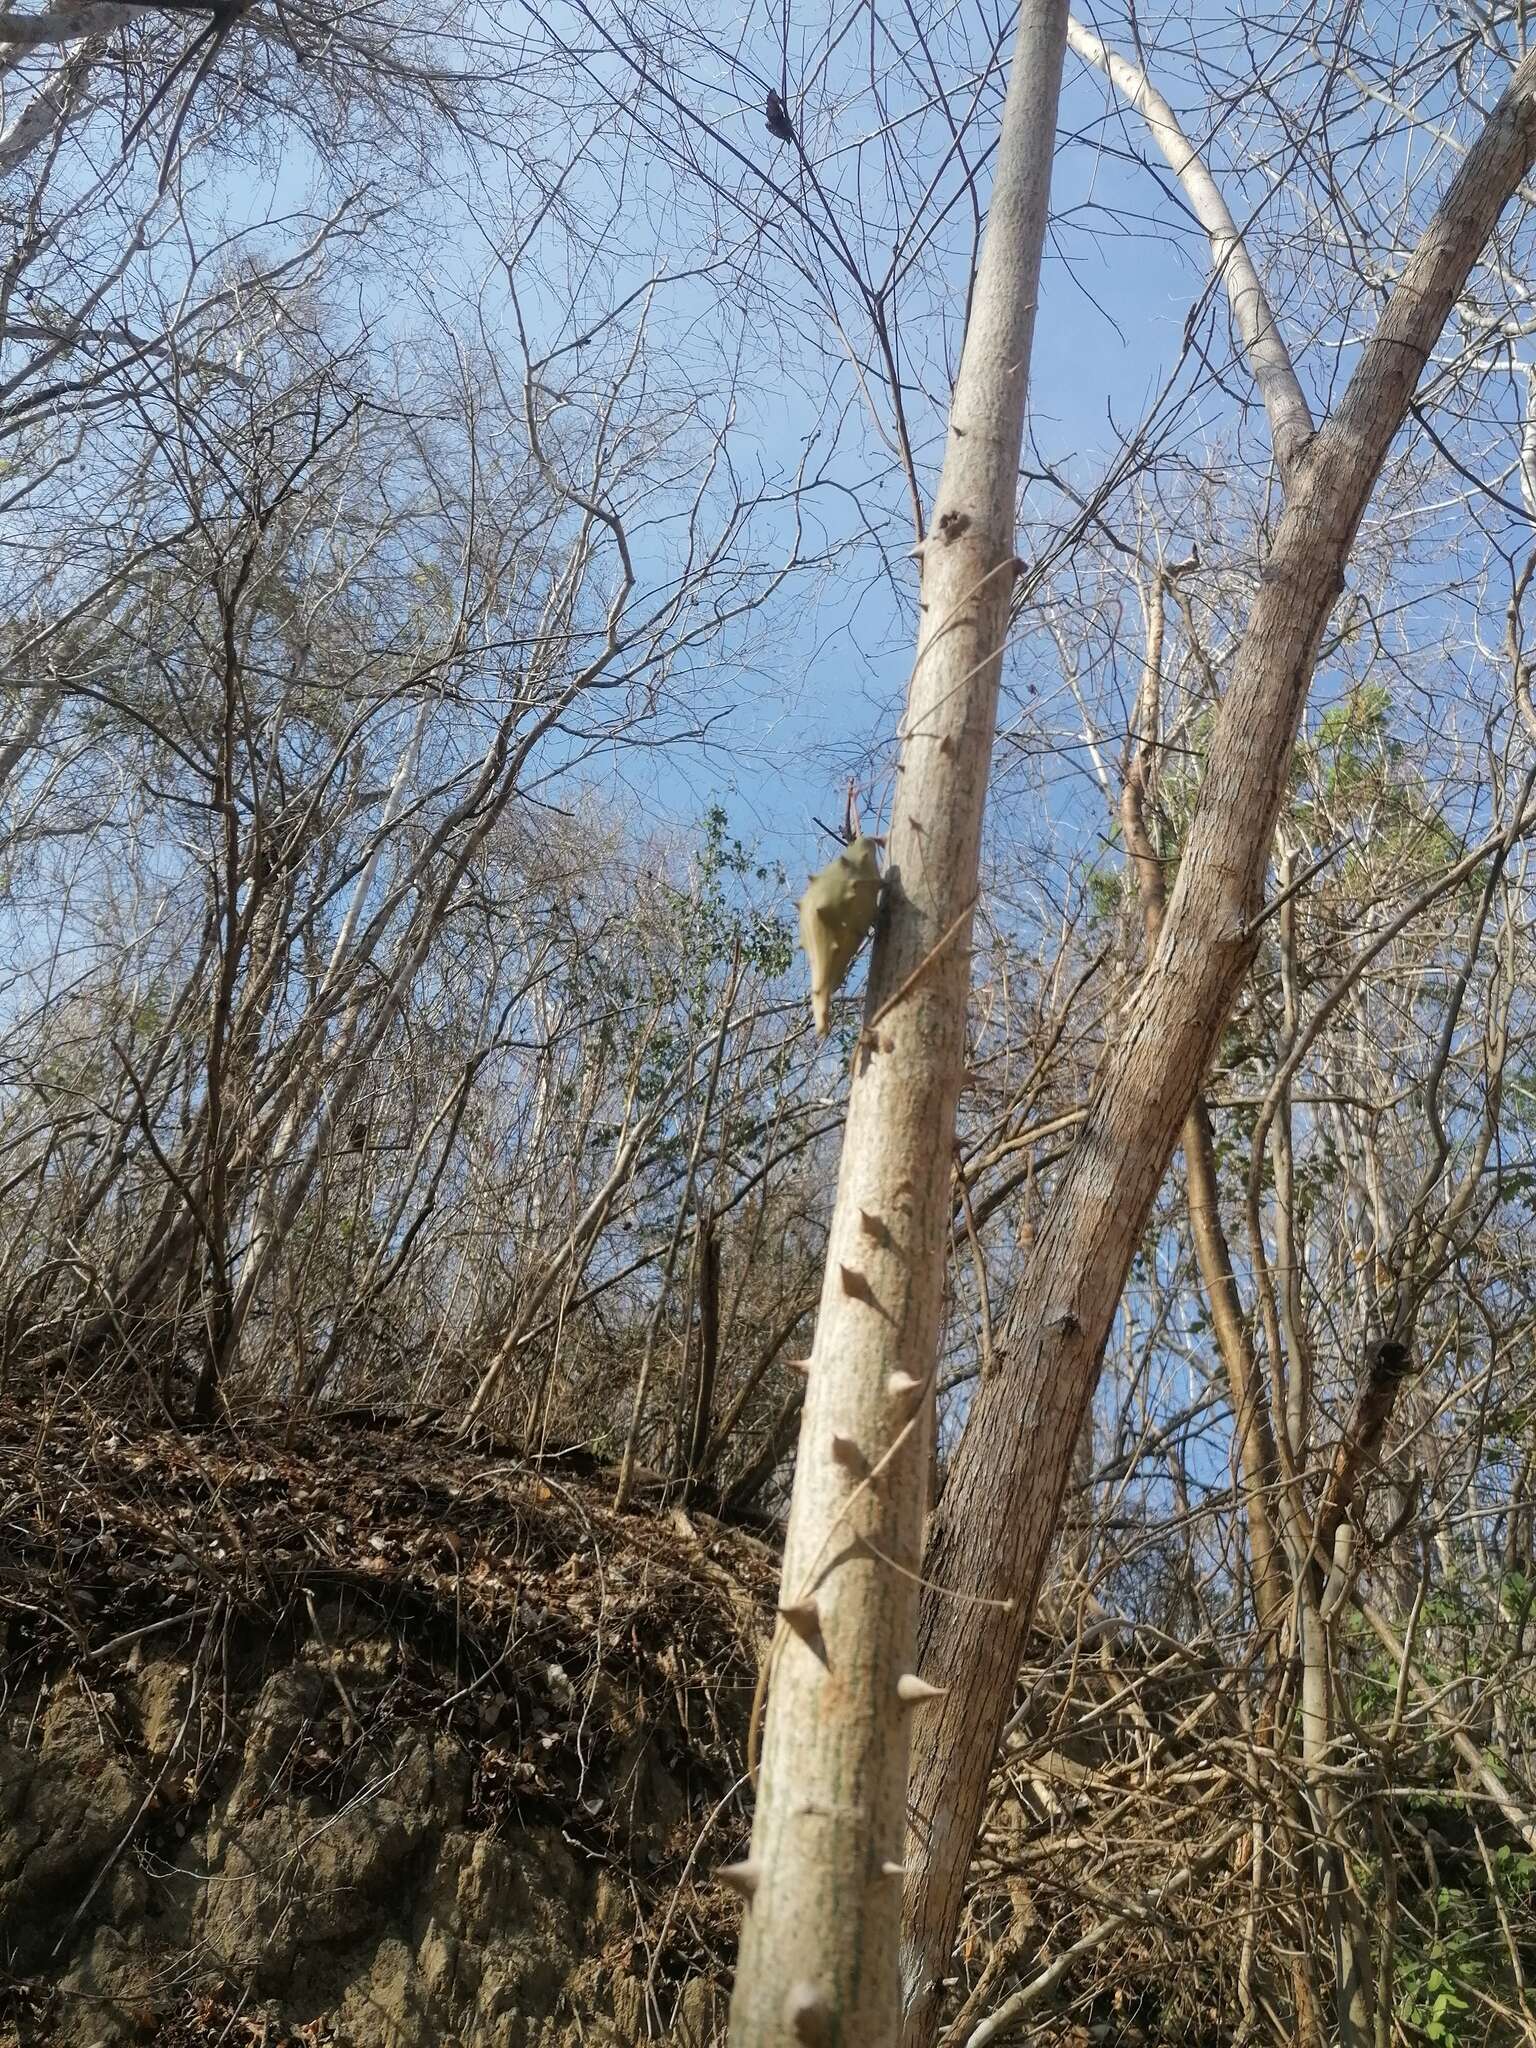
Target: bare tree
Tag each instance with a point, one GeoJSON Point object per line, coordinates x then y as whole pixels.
{"type": "Point", "coordinates": [997, 1517]}
{"type": "Point", "coordinates": [819, 1947]}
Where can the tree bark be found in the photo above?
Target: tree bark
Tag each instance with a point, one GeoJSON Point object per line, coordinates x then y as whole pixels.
{"type": "Point", "coordinates": [994, 1526]}
{"type": "Point", "coordinates": [1285, 404]}
{"type": "Point", "coordinates": [1250, 1407]}
{"type": "Point", "coordinates": [819, 1948]}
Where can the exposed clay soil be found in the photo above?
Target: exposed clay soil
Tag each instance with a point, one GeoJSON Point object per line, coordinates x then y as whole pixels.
{"type": "Point", "coordinates": [366, 1737]}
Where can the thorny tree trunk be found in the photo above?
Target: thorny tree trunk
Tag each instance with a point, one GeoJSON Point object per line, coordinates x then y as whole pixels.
{"type": "Point", "coordinates": [993, 1530]}
{"type": "Point", "coordinates": [820, 1942]}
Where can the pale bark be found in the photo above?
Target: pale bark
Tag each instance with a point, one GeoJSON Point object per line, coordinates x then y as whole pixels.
{"type": "Point", "coordinates": [32, 31]}
{"type": "Point", "coordinates": [50, 104]}
{"type": "Point", "coordinates": [995, 1524]}
{"type": "Point", "coordinates": [820, 1942]}
{"type": "Point", "coordinates": [1290, 418]}
{"type": "Point", "coordinates": [15, 749]}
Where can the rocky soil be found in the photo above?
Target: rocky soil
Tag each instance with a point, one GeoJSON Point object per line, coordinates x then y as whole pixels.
{"type": "Point", "coordinates": [355, 1735]}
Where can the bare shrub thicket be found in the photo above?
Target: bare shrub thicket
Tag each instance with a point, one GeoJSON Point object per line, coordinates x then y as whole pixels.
{"type": "Point", "coordinates": [436, 447]}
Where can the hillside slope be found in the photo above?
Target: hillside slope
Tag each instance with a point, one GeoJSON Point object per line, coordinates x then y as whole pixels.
{"type": "Point", "coordinates": [361, 1738]}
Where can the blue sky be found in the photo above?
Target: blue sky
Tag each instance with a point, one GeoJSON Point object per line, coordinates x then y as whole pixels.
{"type": "Point", "coordinates": [824, 688]}
{"type": "Point", "coordinates": [819, 692]}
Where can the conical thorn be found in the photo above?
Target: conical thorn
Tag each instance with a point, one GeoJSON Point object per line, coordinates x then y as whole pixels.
{"type": "Point", "coordinates": [804, 1617]}
{"type": "Point", "coordinates": [799, 1365]}
{"type": "Point", "coordinates": [894, 1870]}
{"type": "Point", "coordinates": [808, 2013]}
{"type": "Point", "coordinates": [855, 1286]}
{"type": "Point", "coordinates": [915, 1690]}
{"type": "Point", "coordinates": [741, 1877]}
{"type": "Point", "coordinates": [845, 1452]}
{"type": "Point", "coordinates": [874, 1228]}
{"type": "Point", "coordinates": [902, 1387]}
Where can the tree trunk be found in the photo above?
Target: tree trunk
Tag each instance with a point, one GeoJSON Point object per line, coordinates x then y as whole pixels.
{"type": "Point", "coordinates": [994, 1526]}
{"type": "Point", "coordinates": [820, 1942]}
